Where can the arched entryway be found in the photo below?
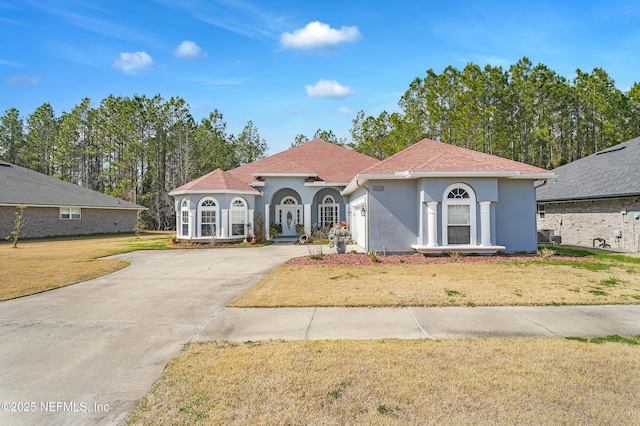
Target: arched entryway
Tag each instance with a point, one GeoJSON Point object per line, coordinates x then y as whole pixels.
{"type": "Point", "coordinates": [288, 215]}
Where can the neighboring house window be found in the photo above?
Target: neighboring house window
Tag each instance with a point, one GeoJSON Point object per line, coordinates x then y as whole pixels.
{"type": "Point", "coordinates": [208, 217]}
{"type": "Point", "coordinates": [184, 218]}
{"type": "Point", "coordinates": [541, 211]}
{"type": "Point", "coordinates": [459, 215]}
{"type": "Point", "coordinates": [238, 217]}
{"type": "Point", "coordinates": [70, 213]}
{"type": "Point", "coordinates": [328, 211]}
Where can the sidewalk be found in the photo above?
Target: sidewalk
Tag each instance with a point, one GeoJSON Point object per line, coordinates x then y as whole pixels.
{"type": "Point", "coordinates": [238, 324]}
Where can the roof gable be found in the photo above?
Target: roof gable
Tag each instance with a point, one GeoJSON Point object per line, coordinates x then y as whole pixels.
{"type": "Point", "coordinates": [216, 180]}
{"type": "Point", "coordinates": [433, 156]}
{"type": "Point", "coordinates": [609, 173]}
{"type": "Point", "coordinates": [19, 185]}
{"type": "Point", "coordinates": [331, 163]}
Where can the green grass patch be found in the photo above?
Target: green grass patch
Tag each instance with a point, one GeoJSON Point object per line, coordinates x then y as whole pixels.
{"type": "Point", "coordinates": [598, 292]}
{"type": "Point", "coordinates": [614, 338]}
{"type": "Point", "coordinates": [611, 282]}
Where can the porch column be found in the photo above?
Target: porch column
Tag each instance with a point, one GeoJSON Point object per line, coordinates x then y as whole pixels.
{"type": "Point", "coordinates": [432, 224]}
{"type": "Point", "coordinates": [225, 223]}
{"type": "Point", "coordinates": [252, 232]}
{"type": "Point", "coordinates": [266, 221]}
{"type": "Point", "coordinates": [193, 228]}
{"type": "Point", "coordinates": [485, 223]}
{"type": "Point", "coordinates": [307, 219]}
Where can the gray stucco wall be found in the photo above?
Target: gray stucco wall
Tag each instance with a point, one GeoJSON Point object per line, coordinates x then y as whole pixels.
{"type": "Point", "coordinates": [516, 215]}
{"type": "Point", "coordinates": [45, 222]}
{"type": "Point", "coordinates": [392, 215]}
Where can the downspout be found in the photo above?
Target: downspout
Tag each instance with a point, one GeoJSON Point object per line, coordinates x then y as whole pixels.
{"type": "Point", "coordinates": [366, 204]}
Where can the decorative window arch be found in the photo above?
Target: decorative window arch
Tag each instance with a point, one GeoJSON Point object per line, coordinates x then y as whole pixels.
{"type": "Point", "coordinates": [208, 213]}
{"type": "Point", "coordinates": [184, 218]}
{"type": "Point", "coordinates": [289, 200]}
{"type": "Point", "coordinates": [459, 215]}
{"type": "Point", "coordinates": [328, 211]}
{"type": "Point", "coordinates": [238, 217]}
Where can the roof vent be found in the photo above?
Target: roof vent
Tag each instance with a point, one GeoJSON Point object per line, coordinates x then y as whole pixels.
{"type": "Point", "coordinates": [620, 148]}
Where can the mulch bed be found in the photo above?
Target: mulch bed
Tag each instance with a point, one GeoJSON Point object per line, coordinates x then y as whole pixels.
{"type": "Point", "coordinates": [364, 259]}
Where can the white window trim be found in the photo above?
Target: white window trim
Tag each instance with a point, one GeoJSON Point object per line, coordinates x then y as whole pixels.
{"type": "Point", "coordinates": [184, 207]}
{"type": "Point", "coordinates": [70, 212]}
{"type": "Point", "coordinates": [471, 202]}
{"type": "Point", "coordinates": [325, 203]}
{"type": "Point", "coordinates": [215, 208]}
{"type": "Point", "coordinates": [245, 208]}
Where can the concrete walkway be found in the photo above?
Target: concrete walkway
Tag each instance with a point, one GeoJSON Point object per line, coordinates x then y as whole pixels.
{"type": "Point", "coordinates": [419, 323]}
{"type": "Point", "coordinates": [87, 353]}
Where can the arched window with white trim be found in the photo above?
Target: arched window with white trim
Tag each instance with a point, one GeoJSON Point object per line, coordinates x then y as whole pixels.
{"type": "Point", "coordinates": [184, 218]}
{"type": "Point", "coordinates": [208, 212]}
{"type": "Point", "coordinates": [459, 215]}
{"type": "Point", "coordinates": [238, 217]}
{"type": "Point", "coordinates": [328, 211]}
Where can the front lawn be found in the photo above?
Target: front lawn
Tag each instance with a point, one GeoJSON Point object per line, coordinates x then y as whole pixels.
{"type": "Point", "coordinates": [398, 382]}
{"type": "Point", "coordinates": [588, 278]}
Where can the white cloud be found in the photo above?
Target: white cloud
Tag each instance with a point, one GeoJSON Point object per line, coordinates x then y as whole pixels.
{"type": "Point", "coordinates": [188, 49]}
{"type": "Point", "coordinates": [131, 63]}
{"type": "Point", "coordinates": [347, 111]}
{"type": "Point", "coordinates": [317, 35]}
{"type": "Point", "coordinates": [329, 89]}
{"type": "Point", "coordinates": [22, 80]}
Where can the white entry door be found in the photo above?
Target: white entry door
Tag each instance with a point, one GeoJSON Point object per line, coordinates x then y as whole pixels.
{"type": "Point", "coordinates": [289, 219]}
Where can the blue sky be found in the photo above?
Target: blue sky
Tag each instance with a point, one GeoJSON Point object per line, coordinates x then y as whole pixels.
{"type": "Point", "coordinates": [292, 66]}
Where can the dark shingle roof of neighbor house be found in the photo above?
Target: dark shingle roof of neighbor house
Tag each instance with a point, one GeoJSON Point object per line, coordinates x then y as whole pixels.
{"type": "Point", "coordinates": [612, 172]}
{"type": "Point", "coordinates": [27, 187]}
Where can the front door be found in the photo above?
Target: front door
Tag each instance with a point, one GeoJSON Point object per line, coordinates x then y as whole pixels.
{"type": "Point", "coordinates": [289, 217]}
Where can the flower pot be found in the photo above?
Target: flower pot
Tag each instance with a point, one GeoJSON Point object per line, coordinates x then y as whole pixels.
{"type": "Point", "coordinates": [341, 248]}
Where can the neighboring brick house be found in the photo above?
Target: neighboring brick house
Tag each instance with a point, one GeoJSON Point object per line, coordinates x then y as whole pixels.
{"type": "Point", "coordinates": [56, 207]}
{"type": "Point", "coordinates": [594, 201]}
{"type": "Point", "coordinates": [431, 197]}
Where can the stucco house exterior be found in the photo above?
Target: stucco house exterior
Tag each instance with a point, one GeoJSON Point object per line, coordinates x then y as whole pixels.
{"type": "Point", "coordinates": [594, 201]}
{"type": "Point", "coordinates": [432, 197]}
{"type": "Point", "coordinates": [55, 207]}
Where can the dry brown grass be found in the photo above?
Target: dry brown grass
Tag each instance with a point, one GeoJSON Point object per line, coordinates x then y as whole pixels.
{"type": "Point", "coordinates": [446, 284]}
{"type": "Point", "coordinates": [393, 382]}
{"type": "Point", "coordinates": [40, 265]}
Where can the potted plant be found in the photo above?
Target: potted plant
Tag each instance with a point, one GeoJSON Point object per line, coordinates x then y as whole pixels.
{"type": "Point", "coordinates": [339, 236]}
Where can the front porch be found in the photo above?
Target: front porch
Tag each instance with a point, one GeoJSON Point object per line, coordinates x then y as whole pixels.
{"type": "Point", "coordinates": [461, 248]}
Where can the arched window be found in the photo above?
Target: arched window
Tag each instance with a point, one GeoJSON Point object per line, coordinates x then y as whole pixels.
{"type": "Point", "coordinates": [459, 215]}
{"type": "Point", "coordinates": [238, 217]}
{"type": "Point", "coordinates": [208, 209]}
{"type": "Point", "coordinates": [184, 218]}
{"type": "Point", "coordinates": [328, 211]}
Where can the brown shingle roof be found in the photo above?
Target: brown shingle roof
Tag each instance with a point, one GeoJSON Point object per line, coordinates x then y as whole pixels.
{"type": "Point", "coordinates": [330, 162]}
{"type": "Point", "coordinates": [432, 156]}
{"type": "Point", "coordinates": [216, 180]}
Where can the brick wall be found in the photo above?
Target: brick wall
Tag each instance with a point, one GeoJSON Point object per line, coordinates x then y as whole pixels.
{"type": "Point", "coordinates": [580, 222]}
{"type": "Point", "coordinates": [45, 221]}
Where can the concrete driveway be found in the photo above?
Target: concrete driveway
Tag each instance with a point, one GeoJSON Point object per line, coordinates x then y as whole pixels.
{"type": "Point", "coordinates": [87, 353]}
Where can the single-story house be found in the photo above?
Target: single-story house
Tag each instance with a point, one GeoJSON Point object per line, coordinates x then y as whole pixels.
{"type": "Point", "coordinates": [55, 207]}
{"type": "Point", "coordinates": [431, 197]}
{"type": "Point", "coordinates": [594, 201]}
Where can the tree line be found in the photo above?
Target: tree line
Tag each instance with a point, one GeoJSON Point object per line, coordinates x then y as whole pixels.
{"type": "Point", "coordinates": [526, 113]}
{"type": "Point", "coordinates": [139, 148]}
{"type": "Point", "coordinates": [135, 148]}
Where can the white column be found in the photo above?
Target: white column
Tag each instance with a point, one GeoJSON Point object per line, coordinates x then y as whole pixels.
{"type": "Point", "coordinates": [266, 221]}
{"type": "Point", "coordinates": [485, 223]}
{"type": "Point", "coordinates": [432, 224]}
{"type": "Point", "coordinates": [252, 231]}
{"type": "Point", "coordinates": [307, 219]}
{"type": "Point", "coordinates": [224, 229]}
{"type": "Point", "coordinates": [192, 224]}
